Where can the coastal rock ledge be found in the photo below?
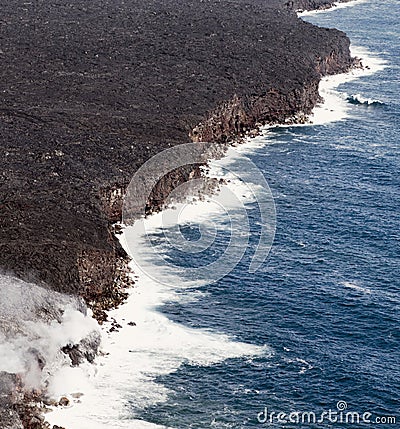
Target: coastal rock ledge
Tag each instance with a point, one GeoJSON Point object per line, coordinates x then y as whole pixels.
{"type": "Point", "coordinates": [91, 90]}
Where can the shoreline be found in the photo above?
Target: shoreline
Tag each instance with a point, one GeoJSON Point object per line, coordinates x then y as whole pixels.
{"type": "Point", "coordinates": [86, 260]}
{"type": "Point", "coordinates": [82, 146]}
{"type": "Point", "coordinates": [136, 300]}
{"type": "Point", "coordinates": [336, 5]}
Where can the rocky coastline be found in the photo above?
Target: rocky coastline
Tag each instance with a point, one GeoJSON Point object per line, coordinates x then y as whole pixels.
{"type": "Point", "coordinates": [89, 93]}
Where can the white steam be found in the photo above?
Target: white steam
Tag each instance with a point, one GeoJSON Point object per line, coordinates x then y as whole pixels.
{"type": "Point", "coordinates": [35, 324]}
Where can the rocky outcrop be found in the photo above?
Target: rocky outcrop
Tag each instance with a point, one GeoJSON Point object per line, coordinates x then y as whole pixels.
{"type": "Point", "coordinates": [112, 200]}
{"type": "Point", "coordinates": [244, 115]}
{"type": "Point", "coordinates": [85, 351]}
{"type": "Point", "coordinates": [104, 277]}
{"type": "Point", "coordinates": [9, 396]}
{"type": "Point", "coordinates": [18, 408]}
{"type": "Point", "coordinates": [302, 5]}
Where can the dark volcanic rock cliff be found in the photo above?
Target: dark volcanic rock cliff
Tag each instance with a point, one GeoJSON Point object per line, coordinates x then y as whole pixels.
{"type": "Point", "coordinates": [90, 90]}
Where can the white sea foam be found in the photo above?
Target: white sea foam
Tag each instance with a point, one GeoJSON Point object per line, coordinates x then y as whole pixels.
{"type": "Point", "coordinates": [359, 99]}
{"type": "Point", "coordinates": [138, 354]}
{"type": "Point", "coordinates": [355, 286]}
{"type": "Point", "coordinates": [336, 106]}
{"type": "Point", "coordinates": [125, 379]}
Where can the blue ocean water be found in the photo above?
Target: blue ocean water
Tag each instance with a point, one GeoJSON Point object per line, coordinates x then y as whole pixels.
{"type": "Point", "coordinates": [326, 300]}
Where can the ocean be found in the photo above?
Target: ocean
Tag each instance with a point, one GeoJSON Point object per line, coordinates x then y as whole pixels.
{"type": "Point", "coordinates": [311, 338]}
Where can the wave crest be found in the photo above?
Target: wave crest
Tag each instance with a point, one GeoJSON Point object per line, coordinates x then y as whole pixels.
{"type": "Point", "coordinates": [358, 99]}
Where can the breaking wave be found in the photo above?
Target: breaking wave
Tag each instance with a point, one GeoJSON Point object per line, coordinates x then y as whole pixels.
{"type": "Point", "coordinates": [358, 99]}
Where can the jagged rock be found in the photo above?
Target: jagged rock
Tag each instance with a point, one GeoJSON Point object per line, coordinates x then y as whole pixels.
{"type": "Point", "coordinates": [86, 350]}
{"type": "Point", "coordinates": [49, 402]}
{"type": "Point", "coordinates": [36, 422]}
{"type": "Point", "coordinates": [64, 402]}
{"type": "Point", "coordinates": [115, 324]}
